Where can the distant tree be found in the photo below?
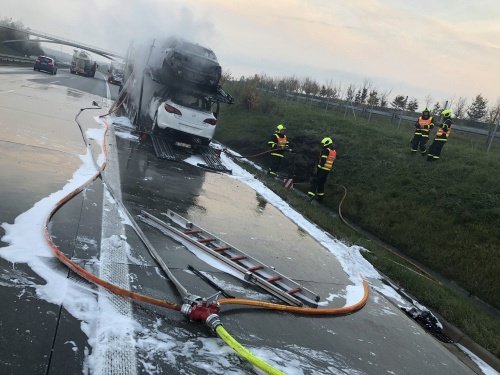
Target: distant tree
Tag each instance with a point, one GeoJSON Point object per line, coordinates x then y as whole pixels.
{"type": "Point", "coordinates": [459, 108]}
{"type": "Point", "coordinates": [373, 99]}
{"type": "Point", "coordinates": [250, 97]}
{"type": "Point", "coordinates": [361, 95]}
{"type": "Point", "coordinates": [412, 105]}
{"type": "Point", "coordinates": [331, 92]}
{"type": "Point", "coordinates": [226, 77]}
{"type": "Point", "coordinates": [436, 109]}
{"type": "Point", "coordinates": [292, 84]}
{"type": "Point", "coordinates": [309, 86]}
{"type": "Point", "coordinates": [399, 102]}
{"type": "Point", "coordinates": [24, 46]}
{"type": "Point", "coordinates": [349, 94]}
{"type": "Point", "coordinates": [493, 113]}
{"type": "Point", "coordinates": [281, 86]}
{"type": "Point", "coordinates": [336, 91]}
{"type": "Point", "coordinates": [428, 101]}
{"type": "Point", "coordinates": [384, 101]}
{"type": "Point", "coordinates": [478, 109]}
{"type": "Point", "coordinates": [270, 83]}
{"type": "Point", "coordinates": [323, 91]}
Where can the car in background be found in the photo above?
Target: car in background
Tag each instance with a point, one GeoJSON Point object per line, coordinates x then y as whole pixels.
{"type": "Point", "coordinates": [45, 63]}
{"type": "Point", "coordinates": [184, 62]}
{"type": "Point", "coordinates": [115, 73]}
{"type": "Point", "coordinates": [185, 116]}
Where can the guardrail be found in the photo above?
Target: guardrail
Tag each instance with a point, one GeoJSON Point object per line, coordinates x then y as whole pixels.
{"type": "Point", "coordinates": [28, 60]}
{"type": "Point", "coordinates": [392, 115]}
{"type": "Point", "coordinates": [14, 58]}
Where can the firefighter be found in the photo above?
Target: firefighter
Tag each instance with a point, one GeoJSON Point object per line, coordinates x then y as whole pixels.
{"type": "Point", "coordinates": [278, 144]}
{"type": "Point", "coordinates": [422, 128]}
{"type": "Point", "coordinates": [325, 165]}
{"type": "Point", "coordinates": [442, 135]}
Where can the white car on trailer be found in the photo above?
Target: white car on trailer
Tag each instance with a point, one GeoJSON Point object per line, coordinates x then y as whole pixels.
{"type": "Point", "coordinates": [187, 117]}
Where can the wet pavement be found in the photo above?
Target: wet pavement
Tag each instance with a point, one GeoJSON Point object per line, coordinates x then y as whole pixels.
{"type": "Point", "coordinates": [40, 147]}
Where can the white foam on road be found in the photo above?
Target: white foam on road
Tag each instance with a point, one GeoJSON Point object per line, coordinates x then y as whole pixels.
{"type": "Point", "coordinates": [158, 341]}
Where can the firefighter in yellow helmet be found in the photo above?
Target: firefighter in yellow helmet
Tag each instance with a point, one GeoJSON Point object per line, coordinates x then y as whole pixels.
{"type": "Point", "coordinates": [278, 144]}
{"type": "Point", "coordinates": [442, 135]}
{"type": "Point", "coordinates": [325, 165]}
{"type": "Point", "coordinates": [422, 128]}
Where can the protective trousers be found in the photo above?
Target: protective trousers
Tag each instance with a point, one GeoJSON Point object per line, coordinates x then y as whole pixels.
{"type": "Point", "coordinates": [275, 166]}
{"type": "Point", "coordinates": [418, 142]}
{"type": "Point", "coordinates": [317, 189]}
{"type": "Point", "coordinates": [435, 149]}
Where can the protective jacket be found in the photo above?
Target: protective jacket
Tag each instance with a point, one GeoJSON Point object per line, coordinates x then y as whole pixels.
{"type": "Point", "coordinates": [440, 140]}
{"type": "Point", "coordinates": [423, 126]}
{"type": "Point", "coordinates": [444, 131]}
{"type": "Point", "coordinates": [327, 159]}
{"type": "Point", "coordinates": [325, 165]}
{"type": "Point", "coordinates": [278, 143]}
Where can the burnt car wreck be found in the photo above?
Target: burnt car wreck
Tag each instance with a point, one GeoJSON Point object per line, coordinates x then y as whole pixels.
{"type": "Point", "coordinates": [181, 62]}
{"type": "Point", "coordinates": [173, 89]}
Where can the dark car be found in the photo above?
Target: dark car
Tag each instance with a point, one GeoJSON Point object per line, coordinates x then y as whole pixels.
{"type": "Point", "coordinates": [187, 63]}
{"type": "Point", "coordinates": [45, 63]}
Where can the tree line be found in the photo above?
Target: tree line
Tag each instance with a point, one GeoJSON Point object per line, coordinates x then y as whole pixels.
{"type": "Point", "coordinates": [24, 47]}
{"type": "Point", "coordinates": [368, 95]}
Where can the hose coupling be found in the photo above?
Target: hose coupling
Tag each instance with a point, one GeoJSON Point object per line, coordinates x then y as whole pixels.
{"type": "Point", "coordinates": [213, 321]}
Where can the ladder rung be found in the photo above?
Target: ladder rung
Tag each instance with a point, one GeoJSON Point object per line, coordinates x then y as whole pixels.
{"type": "Point", "coordinates": [256, 268]}
{"type": "Point", "coordinates": [293, 291]}
{"type": "Point", "coordinates": [221, 249]}
{"type": "Point", "coordinates": [235, 259]}
{"type": "Point", "coordinates": [194, 231]}
{"type": "Point", "coordinates": [273, 279]}
{"type": "Point", "coordinates": [206, 240]}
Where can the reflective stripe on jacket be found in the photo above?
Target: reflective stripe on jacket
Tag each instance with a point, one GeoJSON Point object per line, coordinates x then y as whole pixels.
{"type": "Point", "coordinates": [424, 126]}
{"type": "Point", "coordinates": [279, 144]}
{"type": "Point", "coordinates": [326, 161]}
{"type": "Point", "coordinates": [442, 133]}
{"type": "Point", "coordinates": [282, 141]}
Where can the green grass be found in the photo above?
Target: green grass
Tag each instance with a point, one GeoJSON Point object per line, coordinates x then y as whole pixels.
{"type": "Point", "coordinates": [444, 214]}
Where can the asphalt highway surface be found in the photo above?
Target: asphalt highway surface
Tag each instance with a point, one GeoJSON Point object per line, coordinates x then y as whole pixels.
{"type": "Point", "coordinates": [54, 322]}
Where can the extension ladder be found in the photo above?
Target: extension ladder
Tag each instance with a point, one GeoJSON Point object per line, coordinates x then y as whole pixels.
{"type": "Point", "coordinates": [251, 269]}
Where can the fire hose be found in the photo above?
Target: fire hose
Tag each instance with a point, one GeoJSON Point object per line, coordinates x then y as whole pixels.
{"type": "Point", "coordinates": [194, 307]}
{"type": "Point", "coordinates": [229, 153]}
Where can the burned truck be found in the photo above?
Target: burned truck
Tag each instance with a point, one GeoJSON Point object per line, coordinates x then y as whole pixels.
{"type": "Point", "coordinates": [176, 90]}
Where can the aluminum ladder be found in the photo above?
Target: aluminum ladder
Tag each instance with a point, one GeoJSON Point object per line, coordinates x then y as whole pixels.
{"type": "Point", "coordinates": [251, 269]}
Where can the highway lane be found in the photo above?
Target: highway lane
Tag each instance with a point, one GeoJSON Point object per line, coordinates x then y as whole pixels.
{"type": "Point", "coordinates": [40, 147]}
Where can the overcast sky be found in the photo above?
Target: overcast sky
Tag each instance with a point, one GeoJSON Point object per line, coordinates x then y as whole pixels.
{"type": "Point", "coordinates": [445, 48]}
